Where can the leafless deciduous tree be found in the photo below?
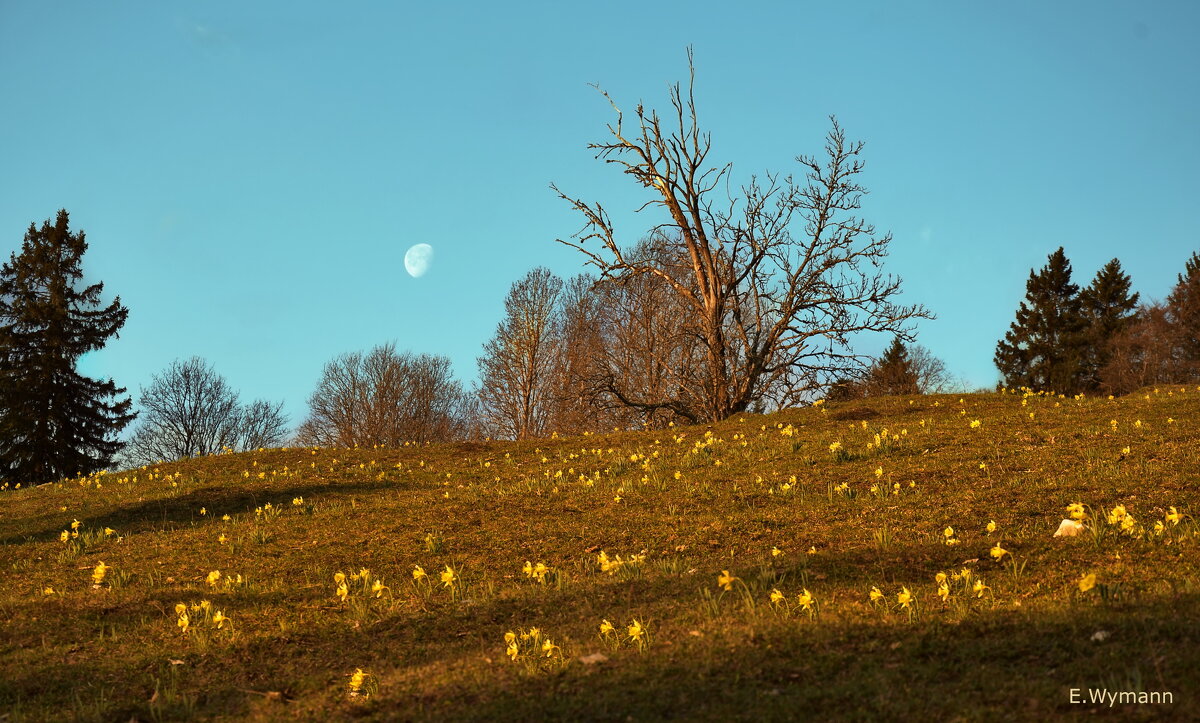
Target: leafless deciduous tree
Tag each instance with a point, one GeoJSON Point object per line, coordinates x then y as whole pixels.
{"type": "Point", "coordinates": [518, 367]}
{"type": "Point", "coordinates": [777, 276]}
{"type": "Point", "coordinates": [1143, 353]}
{"type": "Point", "coordinates": [384, 397]}
{"type": "Point", "coordinates": [651, 357]}
{"type": "Point", "coordinates": [578, 403]}
{"type": "Point", "coordinates": [190, 410]}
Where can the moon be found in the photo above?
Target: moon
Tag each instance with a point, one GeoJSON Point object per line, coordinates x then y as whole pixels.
{"type": "Point", "coordinates": [418, 259]}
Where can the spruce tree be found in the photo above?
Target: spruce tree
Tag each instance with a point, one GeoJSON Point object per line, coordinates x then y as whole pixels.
{"type": "Point", "coordinates": [1108, 308]}
{"type": "Point", "coordinates": [1183, 314]}
{"type": "Point", "coordinates": [54, 422]}
{"type": "Point", "coordinates": [893, 373]}
{"type": "Point", "coordinates": [1043, 348]}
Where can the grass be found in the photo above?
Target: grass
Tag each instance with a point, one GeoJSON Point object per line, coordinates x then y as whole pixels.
{"type": "Point", "coordinates": [762, 498]}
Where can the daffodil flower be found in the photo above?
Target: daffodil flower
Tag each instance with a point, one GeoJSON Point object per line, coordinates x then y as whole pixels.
{"type": "Point", "coordinates": [904, 597]}
{"type": "Point", "coordinates": [636, 631]}
{"type": "Point", "coordinates": [356, 681]}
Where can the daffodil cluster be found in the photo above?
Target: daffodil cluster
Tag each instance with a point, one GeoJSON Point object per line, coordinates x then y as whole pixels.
{"type": "Point", "coordinates": [532, 647]}
{"type": "Point", "coordinates": [201, 615]}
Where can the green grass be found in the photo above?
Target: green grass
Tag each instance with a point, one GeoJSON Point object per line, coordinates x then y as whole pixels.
{"type": "Point", "coordinates": [752, 483]}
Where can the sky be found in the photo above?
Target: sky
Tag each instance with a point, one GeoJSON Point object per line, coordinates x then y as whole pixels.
{"type": "Point", "coordinates": [250, 175]}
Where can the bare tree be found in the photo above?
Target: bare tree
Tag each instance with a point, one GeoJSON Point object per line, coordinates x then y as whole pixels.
{"type": "Point", "coordinates": [517, 369]}
{"type": "Point", "coordinates": [384, 397]}
{"type": "Point", "coordinates": [651, 357]}
{"type": "Point", "coordinates": [1143, 353]}
{"type": "Point", "coordinates": [774, 314]}
{"type": "Point", "coordinates": [190, 410]}
{"type": "Point", "coordinates": [262, 424]}
{"type": "Point", "coordinates": [932, 376]}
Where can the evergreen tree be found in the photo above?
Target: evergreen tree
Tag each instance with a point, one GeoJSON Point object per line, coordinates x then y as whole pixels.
{"type": "Point", "coordinates": [54, 422]}
{"type": "Point", "coordinates": [893, 373]}
{"type": "Point", "coordinates": [1043, 348]}
{"type": "Point", "coordinates": [1108, 308]}
{"type": "Point", "coordinates": [1183, 314]}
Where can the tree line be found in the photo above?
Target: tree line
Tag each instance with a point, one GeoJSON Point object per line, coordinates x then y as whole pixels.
{"type": "Point", "coordinates": [742, 297]}
{"type": "Point", "coordinates": [1101, 338]}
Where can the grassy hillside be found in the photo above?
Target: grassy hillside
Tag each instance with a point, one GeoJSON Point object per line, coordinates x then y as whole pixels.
{"type": "Point", "coordinates": [645, 531]}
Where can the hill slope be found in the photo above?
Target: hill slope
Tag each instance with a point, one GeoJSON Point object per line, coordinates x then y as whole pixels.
{"type": "Point", "coordinates": [800, 515]}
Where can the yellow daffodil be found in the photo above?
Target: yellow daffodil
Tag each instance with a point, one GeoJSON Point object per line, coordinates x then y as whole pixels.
{"type": "Point", "coordinates": [875, 595]}
{"type": "Point", "coordinates": [904, 597]}
{"type": "Point", "coordinates": [940, 578]}
{"type": "Point", "coordinates": [64, 536]}
{"type": "Point", "coordinates": [339, 578]}
{"type": "Point", "coordinates": [776, 552]}
{"type": "Point", "coordinates": [47, 590]}
{"type": "Point", "coordinates": [343, 591]}
{"type": "Point", "coordinates": [1087, 582]}
{"type": "Point", "coordinates": [776, 596]}
{"type": "Point", "coordinates": [109, 532]}
{"type": "Point", "coordinates": [805, 599]}
{"type": "Point", "coordinates": [513, 651]}
{"type": "Point", "coordinates": [944, 592]}
{"type": "Point", "coordinates": [726, 580]}
{"type": "Point", "coordinates": [991, 527]}
{"type": "Point", "coordinates": [356, 681]}
{"type": "Point", "coordinates": [75, 524]}
{"type": "Point", "coordinates": [219, 619]}
{"type": "Point", "coordinates": [1075, 511]}
{"type": "Point", "coordinates": [213, 577]}
{"type": "Point", "coordinates": [998, 552]}
{"type": "Point", "coordinates": [99, 573]}
{"type": "Point", "coordinates": [606, 628]}
{"type": "Point", "coordinates": [448, 578]}
{"type": "Point", "coordinates": [418, 572]}
{"type": "Point", "coordinates": [636, 631]}
{"type": "Point", "coordinates": [548, 647]}
{"type": "Point", "coordinates": [1173, 515]}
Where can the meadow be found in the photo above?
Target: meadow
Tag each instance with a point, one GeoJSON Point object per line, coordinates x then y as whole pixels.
{"type": "Point", "coordinates": [877, 559]}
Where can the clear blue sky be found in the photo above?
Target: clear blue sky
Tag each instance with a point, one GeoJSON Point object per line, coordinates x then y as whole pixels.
{"type": "Point", "coordinates": [249, 175]}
